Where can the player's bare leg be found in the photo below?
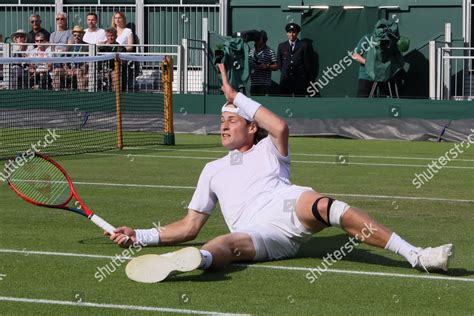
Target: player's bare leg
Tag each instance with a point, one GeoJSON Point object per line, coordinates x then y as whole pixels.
{"type": "Point", "coordinates": [219, 252]}
{"type": "Point", "coordinates": [229, 248]}
{"type": "Point", "coordinates": [317, 212]}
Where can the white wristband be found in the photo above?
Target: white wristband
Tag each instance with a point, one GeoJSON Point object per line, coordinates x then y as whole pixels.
{"type": "Point", "coordinates": [147, 237]}
{"type": "Point", "coordinates": [247, 105]}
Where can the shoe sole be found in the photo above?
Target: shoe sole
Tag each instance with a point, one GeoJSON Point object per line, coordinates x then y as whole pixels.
{"type": "Point", "coordinates": [156, 268]}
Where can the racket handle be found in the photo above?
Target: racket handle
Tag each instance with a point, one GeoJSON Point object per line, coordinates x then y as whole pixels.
{"type": "Point", "coordinates": [102, 224]}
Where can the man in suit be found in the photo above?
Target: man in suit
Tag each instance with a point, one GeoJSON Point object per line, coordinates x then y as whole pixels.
{"type": "Point", "coordinates": [295, 59]}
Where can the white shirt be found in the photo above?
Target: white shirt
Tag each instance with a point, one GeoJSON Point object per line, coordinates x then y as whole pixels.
{"type": "Point", "coordinates": [122, 39]}
{"type": "Point", "coordinates": [94, 37]}
{"type": "Point", "coordinates": [243, 183]}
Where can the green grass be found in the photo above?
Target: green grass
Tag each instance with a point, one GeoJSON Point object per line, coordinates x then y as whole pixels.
{"type": "Point", "coordinates": [240, 289]}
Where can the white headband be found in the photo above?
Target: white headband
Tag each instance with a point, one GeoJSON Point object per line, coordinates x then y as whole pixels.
{"type": "Point", "coordinates": [237, 111]}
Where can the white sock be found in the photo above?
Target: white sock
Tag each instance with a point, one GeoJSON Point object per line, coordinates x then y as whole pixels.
{"type": "Point", "coordinates": [401, 247]}
{"type": "Point", "coordinates": [206, 259]}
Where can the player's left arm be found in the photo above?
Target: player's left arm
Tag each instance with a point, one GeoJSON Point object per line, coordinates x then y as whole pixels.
{"type": "Point", "coordinates": [276, 127]}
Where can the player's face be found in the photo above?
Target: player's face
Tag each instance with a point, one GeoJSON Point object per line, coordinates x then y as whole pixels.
{"type": "Point", "coordinates": [236, 133]}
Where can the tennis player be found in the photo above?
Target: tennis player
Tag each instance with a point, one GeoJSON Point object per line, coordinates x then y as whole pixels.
{"type": "Point", "coordinates": [268, 217]}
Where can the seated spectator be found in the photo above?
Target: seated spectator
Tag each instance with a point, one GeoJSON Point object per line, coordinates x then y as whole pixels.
{"type": "Point", "coordinates": [94, 34]}
{"type": "Point", "coordinates": [39, 73]}
{"type": "Point", "coordinates": [77, 74]}
{"type": "Point", "coordinates": [124, 34]}
{"type": "Point", "coordinates": [111, 46]}
{"type": "Point", "coordinates": [35, 21]}
{"type": "Point", "coordinates": [19, 72]}
{"type": "Point", "coordinates": [20, 47]}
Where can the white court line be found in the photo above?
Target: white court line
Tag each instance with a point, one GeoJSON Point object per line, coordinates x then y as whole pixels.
{"type": "Point", "coordinates": [295, 154]}
{"type": "Point", "coordinates": [157, 186]}
{"type": "Point", "coordinates": [111, 306]}
{"type": "Point", "coordinates": [384, 274]}
{"type": "Point", "coordinates": [261, 266]}
{"type": "Point", "coordinates": [293, 161]}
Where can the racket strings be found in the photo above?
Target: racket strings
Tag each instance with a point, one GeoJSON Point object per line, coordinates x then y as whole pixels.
{"type": "Point", "coordinates": [41, 181]}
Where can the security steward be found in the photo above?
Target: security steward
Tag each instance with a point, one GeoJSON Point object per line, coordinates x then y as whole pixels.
{"type": "Point", "coordinates": [294, 58]}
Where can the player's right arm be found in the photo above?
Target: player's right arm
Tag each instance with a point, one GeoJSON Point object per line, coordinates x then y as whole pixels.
{"type": "Point", "coordinates": [276, 127]}
{"type": "Point", "coordinates": [183, 230]}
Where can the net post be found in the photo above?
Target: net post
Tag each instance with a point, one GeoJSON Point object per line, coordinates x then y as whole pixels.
{"type": "Point", "coordinates": [118, 102]}
{"type": "Point", "coordinates": [167, 78]}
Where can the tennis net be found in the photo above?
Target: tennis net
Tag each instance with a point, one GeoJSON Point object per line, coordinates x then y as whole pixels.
{"type": "Point", "coordinates": [92, 103]}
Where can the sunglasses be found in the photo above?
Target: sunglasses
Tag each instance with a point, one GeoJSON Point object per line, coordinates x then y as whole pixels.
{"type": "Point", "coordinates": [35, 21]}
{"type": "Point", "coordinates": [77, 34]}
{"type": "Point", "coordinates": [59, 19]}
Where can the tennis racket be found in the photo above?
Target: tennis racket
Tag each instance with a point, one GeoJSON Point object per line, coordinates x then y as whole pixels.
{"type": "Point", "coordinates": [42, 181]}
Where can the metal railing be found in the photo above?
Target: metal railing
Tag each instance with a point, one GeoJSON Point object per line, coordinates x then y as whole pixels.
{"type": "Point", "coordinates": [189, 73]}
{"type": "Point", "coordinates": [151, 23]}
{"type": "Point", "coordinates": [195, 61]}
{"type": "Point", "coordinates": [455, 76]}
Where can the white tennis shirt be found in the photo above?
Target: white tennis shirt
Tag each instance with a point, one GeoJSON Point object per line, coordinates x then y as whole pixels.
{"type": "Point", "coordinates": [244, 184]}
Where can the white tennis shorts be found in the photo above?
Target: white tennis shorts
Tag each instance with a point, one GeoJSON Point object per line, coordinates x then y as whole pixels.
{"type": "Point", "coordinates": [279, 233]}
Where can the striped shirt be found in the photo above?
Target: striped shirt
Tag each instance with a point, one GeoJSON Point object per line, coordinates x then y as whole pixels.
{"type": "Point", "coordinates": [261, 77]}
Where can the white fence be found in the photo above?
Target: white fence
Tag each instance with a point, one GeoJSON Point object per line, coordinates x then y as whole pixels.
{"type": "Point", "coordinates": [189, 70]}
{"type": "Point", "coordinates": [151, 23]}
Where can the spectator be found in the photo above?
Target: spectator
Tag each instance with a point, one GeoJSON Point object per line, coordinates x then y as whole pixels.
{"type": "Point", "coordinates": [61, 36]}
{"type": "Point", "coordinates": [365, 83]}
{"type": "Point", "coordinates": [19, 72]}
{"type": "Point", "coordinates": [35, 21]}
{"type": "Point", "coordinates": [295, 60]}
{"type": "Point", "coordinates": [124, 34]}
{"type": "Point", "coordinates": [262, 62]}
{"type": "Point", "coordinates": [77, 74]}
{"type": "Point", "coordinates": [39, 72]}
{"type": "Point", "coordinates": [94, 34]}
{"type": "Point", "coordinates": [20, 47]}
{"type": "Point", "coordinates": [111, 46]}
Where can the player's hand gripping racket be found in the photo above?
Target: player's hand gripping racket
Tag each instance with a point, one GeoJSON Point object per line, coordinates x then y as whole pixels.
{"type": "Point", "coordinates": [43, 182]}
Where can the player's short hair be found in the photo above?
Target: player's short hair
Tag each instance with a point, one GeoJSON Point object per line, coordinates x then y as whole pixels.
{"type": "Point", "coordinates": [259, 134]}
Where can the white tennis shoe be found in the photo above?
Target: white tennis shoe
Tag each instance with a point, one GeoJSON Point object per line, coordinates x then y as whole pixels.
{"type": "Point", "coordinates": [433, 259]}
{"type": "Point", "coordinates": [156, 268]}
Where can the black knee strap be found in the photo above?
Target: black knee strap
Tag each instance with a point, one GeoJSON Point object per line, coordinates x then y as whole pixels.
{"type": "Point", "coordinates": [316, 212]}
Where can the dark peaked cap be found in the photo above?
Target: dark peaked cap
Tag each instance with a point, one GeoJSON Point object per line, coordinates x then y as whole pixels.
{"type": "Point", "coordinates": [292, 27]}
